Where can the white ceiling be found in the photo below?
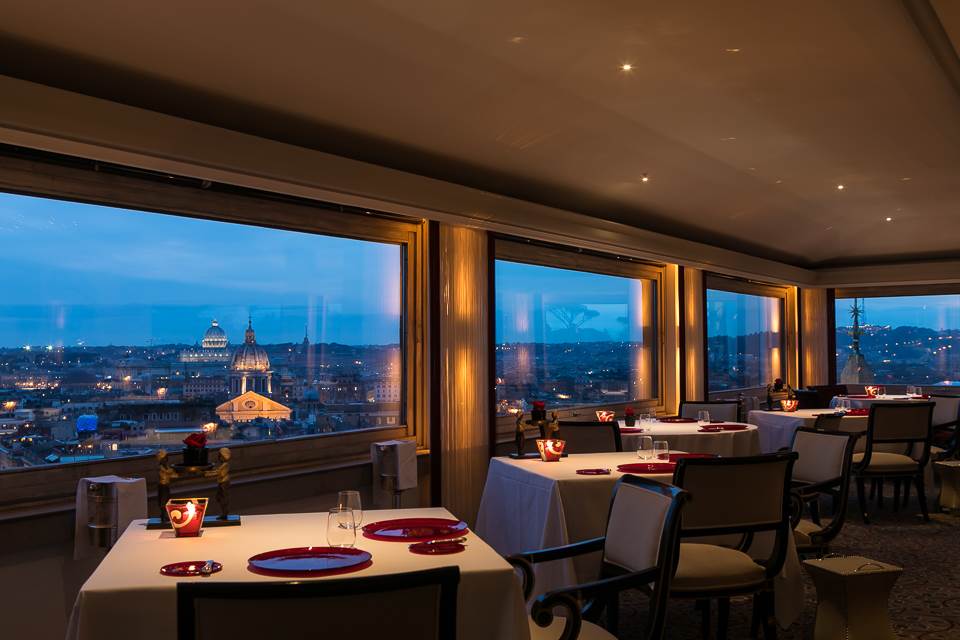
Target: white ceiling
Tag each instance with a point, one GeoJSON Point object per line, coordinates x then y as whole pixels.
{"type": "Point", "coordinates": [744, 149]}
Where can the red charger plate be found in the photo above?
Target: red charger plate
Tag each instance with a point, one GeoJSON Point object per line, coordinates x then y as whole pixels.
{"type": "Point", "coordinates": [437, 548]}
{"type": "Point", "coordinates": [188, 568]}
{"type": "Point", "coordinates": [647, 467]}
{"type": "Point", "coordinates": [414, 529]}
{"type": "Point", "coordinates": [309, 562]}
{"type": "Point", "coordinates": [593, 472]}
{"type": "Point", "coordinates": [717, 428]}
{"type": "Point", "coordinates": [676, 420]}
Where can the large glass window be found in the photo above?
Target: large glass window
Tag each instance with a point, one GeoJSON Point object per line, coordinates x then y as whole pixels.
{"type": "Point", "coordinates": [573, 338]}
{"type": "Point", "coordinates": [899, 340]}
{"type": "Point", "coordinates": [744, 340]}
{"type": "Point", "coordinates": [122, 332]}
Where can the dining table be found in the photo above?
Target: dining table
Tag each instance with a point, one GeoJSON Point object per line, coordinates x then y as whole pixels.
{"type": "Point", "coordinates": [776, 428]}
{"type": "Point", "coordinates": [528, 504]}
{"type": "Point", "coordinates": [723, 439]}
{"type": "Point", "coordinates": [127, 597]}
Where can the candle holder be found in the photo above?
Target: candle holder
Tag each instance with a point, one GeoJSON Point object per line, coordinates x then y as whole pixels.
{"type": "Point", "coordinates": [789, 405]}
{"type": "Point", "coordinates": [630, 417]}
{"type": "Point", "coordinates": [872, 390]}
{"type": "Point", "coordinates": [186, 516]}
{"type": "Point", "coordinates": [604, 415]}
{"type": "Point", "coordinates": [550, 450]}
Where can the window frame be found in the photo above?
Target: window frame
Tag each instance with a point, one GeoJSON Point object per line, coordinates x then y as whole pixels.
{"type": "Point", "coordinates": [789, 336]}
{"type": "Point", "coordinates": [86, 181]}
{"type": "Point", "coordinates": [894, 291]}
{"type": "Point", "coordinates": [513, 249]}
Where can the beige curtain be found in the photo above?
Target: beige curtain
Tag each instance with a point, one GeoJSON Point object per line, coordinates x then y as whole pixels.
{"type": "Point", "coordinates": [816, 359]}
{"type": "Point", "coordinates": [464, 376]}
{"type": "Point", "coordinates": [693, 324]}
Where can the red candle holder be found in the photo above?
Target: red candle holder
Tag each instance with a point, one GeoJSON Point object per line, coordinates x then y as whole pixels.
{"type": "Point", "coordinates": [604, 415]}
{"type": "Point", "coordinates": [789, 405]}
{"type": "Point", "coordinates": [871, 390]}
{"type": "Point", "coordinates": [186, 516]}
{"type": "Point", "coordinates": [550, 450]}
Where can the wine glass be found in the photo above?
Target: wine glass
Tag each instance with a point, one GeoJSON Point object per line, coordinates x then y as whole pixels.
{"type": "Point", "coordinates": [645, 448]}
{"type": "Point", "coordinates": [341, 528]}
{"type": "Point", "coordinates": [351, 499]}
{"type": "Point", "coordinates": [911, 390]}
{"type": "Point", "coordinates": [661, 450]}
{"type": "Point", "coordinates": [703, 417]}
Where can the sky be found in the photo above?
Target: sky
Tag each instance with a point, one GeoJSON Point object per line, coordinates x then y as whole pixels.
{"type": "Point", "coordinates": [76, 272]}
{"type": "Point", "coordinates": [930, 312]}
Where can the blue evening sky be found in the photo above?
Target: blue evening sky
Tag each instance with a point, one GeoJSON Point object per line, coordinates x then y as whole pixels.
{"type": "Point", "coordinates": [78, 272]}
{"type": "Point", "coordinates": [931, 312]}
{"type": "Point", "coordinates": [736, 314]}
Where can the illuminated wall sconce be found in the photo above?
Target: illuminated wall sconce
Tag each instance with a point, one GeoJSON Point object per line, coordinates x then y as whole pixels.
{"type": "Point", "coordinates": [604, 415]}
{"type": "Point", "coordinates": [186, 516]}
{"type": "Point", "coordinates": [550, 450]}
{"type": "Point", "coordinates": [789, 405]}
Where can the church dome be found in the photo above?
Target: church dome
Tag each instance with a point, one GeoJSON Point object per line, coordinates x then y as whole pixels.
{"type": "Point", "coordinates": [250, 356]}
{"type": "Point", "coordinates": [215, 337]}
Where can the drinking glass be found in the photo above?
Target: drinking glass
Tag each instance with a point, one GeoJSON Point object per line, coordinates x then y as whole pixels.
{"type": "Point", "coordinates": [918, 391]}
{"type": "Point", "coordinates": [661, 450]}
{"type": "Point", "coordinates": [341, 528]}
{"type": "Point", "coordinates": [351, 500]}
{"type": "Point", "coordinates": [703, 417]}
{"type": "Point", "coordinates": [911, 390]}
{"type": "Point", "coordinates": [843, 404]}
{"type": "Point", "coordinates": [645, 448]}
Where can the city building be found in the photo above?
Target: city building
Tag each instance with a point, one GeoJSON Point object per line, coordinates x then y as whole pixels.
{"type": "Point", "coordinates": [250, 366]}
{"type": "Point", "coordinates": [213, 347]}
{"type": "Point", "coordinates": [250, 406]}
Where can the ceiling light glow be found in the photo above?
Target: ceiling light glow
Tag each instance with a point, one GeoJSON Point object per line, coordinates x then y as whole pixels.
{"type": "Point", "coordinates": [888, 219]}
{"type": "Point", "coordinates": [626, 66]}
{"type": "Point", "coordinates": [840, 187]}
{"type": "Point", "coordinates": [644, 178]}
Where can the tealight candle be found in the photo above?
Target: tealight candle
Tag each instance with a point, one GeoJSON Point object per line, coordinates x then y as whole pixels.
{"type": "Point", "coordinates": [186, 516]}
{"type": "Point", "coordinates": [550, 450]}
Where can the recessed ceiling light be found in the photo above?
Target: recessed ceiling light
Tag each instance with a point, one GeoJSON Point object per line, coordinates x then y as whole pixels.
{"type": "Point", "coordinates": [840, 187]}
{"type": "Point", "coordinates": [517, 39]}
{"type": "Point", "coordinates": [644, 178]}
{"type": "Point", "coordinates": [888, 219]}
{"type": "Point", "coordinates": [778, 182]}
{"type": "Point", "coordinates": [626, 66]}
{"type": "Point", "coordinates": [730, 139]}
{"type": "Point", "coordinates": [905, 179]}
{"type": "Point", "coordinates": [732, 50]}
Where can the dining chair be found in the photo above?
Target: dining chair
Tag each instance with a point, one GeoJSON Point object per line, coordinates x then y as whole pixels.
{"type": "Point", "coordinates": [590, 437]}
{"type": "Point", "coordinates": [897, 447]}
{"type": "Point", "coordinates": [726, 410]}
{"type": "Point", "coordinates": [822, 469]}
{"type": "Point", "coordinates": [946, 417]}
{"type": "Point", "coordinates": [828, 422]}
{"type": "Point", "coordinates": [639, 551]}
{"type": "Point", "coordinates": [736, 498]}
{"type": "Point", "coordinates": [420, 604]}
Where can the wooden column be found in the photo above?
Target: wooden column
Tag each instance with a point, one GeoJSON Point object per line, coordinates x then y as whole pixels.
{"type": "Point", "coordinates": [463, 361]}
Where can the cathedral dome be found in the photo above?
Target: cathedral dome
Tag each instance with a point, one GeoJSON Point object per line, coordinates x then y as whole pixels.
{"type": "Point", "coordinates": [215, 337]}
{"type": "Point", "coordinates": [250, 356]}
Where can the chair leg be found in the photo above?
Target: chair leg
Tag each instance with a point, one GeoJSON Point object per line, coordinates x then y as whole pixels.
{"type": "Point", "coordinates": [873, 489]}
{"type": "Point", "coordinates": [922, 496]}
{"type": "Point", "coordinates": [613, 613]}
{"type": "Point", "coordinates": [704, 618]}
{"type": "Point", "coordinates": [815, 511]}
{"type": "Point", "coordinates": [879, 482]}
{"type": "Point", "coordinates": [755, 617]}
{"type": "Point", "coordinates": [723, 617]}
{"type": "Point", "coordinates": [861, 499]}
{"type": "Point", "coordinates": [769, 624]}
{"type": "Point", "coordinates": [906, 492]}
{"type": "Point", "coordinates": [896, 495]}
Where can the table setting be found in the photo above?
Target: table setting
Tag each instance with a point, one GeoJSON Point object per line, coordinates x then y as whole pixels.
{"type": "Point", "coordinates": [700, 435]}
{"type": "Point", "coordinates": [132, 594]}
{"type": "Point", "coordinates": [874, 394]}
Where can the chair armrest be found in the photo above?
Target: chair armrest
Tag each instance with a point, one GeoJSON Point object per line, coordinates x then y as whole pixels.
{"type": "Point", "coordinates": [566, 551]}
{"type": "Point", "coordinates": [809, 489]}
{"type": "Point", "coordinates": [569, 598]}
{"type": "Point", "coordinates": [526, 574]}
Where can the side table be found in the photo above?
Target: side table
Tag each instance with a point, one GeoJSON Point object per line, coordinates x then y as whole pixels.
{"type": "Point", "coordinates": [949, 483]}
{"type": "Point", "coordinates": [852, 594]}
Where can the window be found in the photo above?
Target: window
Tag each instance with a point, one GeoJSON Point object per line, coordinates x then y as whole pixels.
{"type": "Point", "coordinates": [122, 332]}
{"type": "Point", "coordinates": [912, 340]}
{"type": "Point", "coordinates": [574, 338]}
{"type": "Point", "coordinates": [745, 336]}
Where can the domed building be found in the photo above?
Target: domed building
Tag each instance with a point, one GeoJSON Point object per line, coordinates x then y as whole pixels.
{"type": "Point", "coordinates": [212, 349]}
{"type": "Point", "coordinates": [250, 367]}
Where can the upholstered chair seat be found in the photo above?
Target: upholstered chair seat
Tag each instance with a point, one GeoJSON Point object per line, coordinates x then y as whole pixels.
{"type": "Point", "coordinates": [711, 567]}
{"type": "Point", "coordinates": [588, 630]}
{"type": "Point", "coordinates": [882, 461]}
{"type": "Point", "coordinates": [802, 533]}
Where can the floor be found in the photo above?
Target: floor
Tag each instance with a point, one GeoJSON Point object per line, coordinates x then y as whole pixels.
{"type": "Point", "coordinates": [925, 602]}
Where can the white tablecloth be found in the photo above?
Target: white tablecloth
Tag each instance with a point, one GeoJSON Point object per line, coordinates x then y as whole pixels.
{"type": "Point", "coordinates": [529, 505]}
{"type": "Point", "coordinates": [687, 437]}
{"type": "Point", "coordinates": [126, 597]}
{"type": "Point", "coordinates": [776, 428]}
